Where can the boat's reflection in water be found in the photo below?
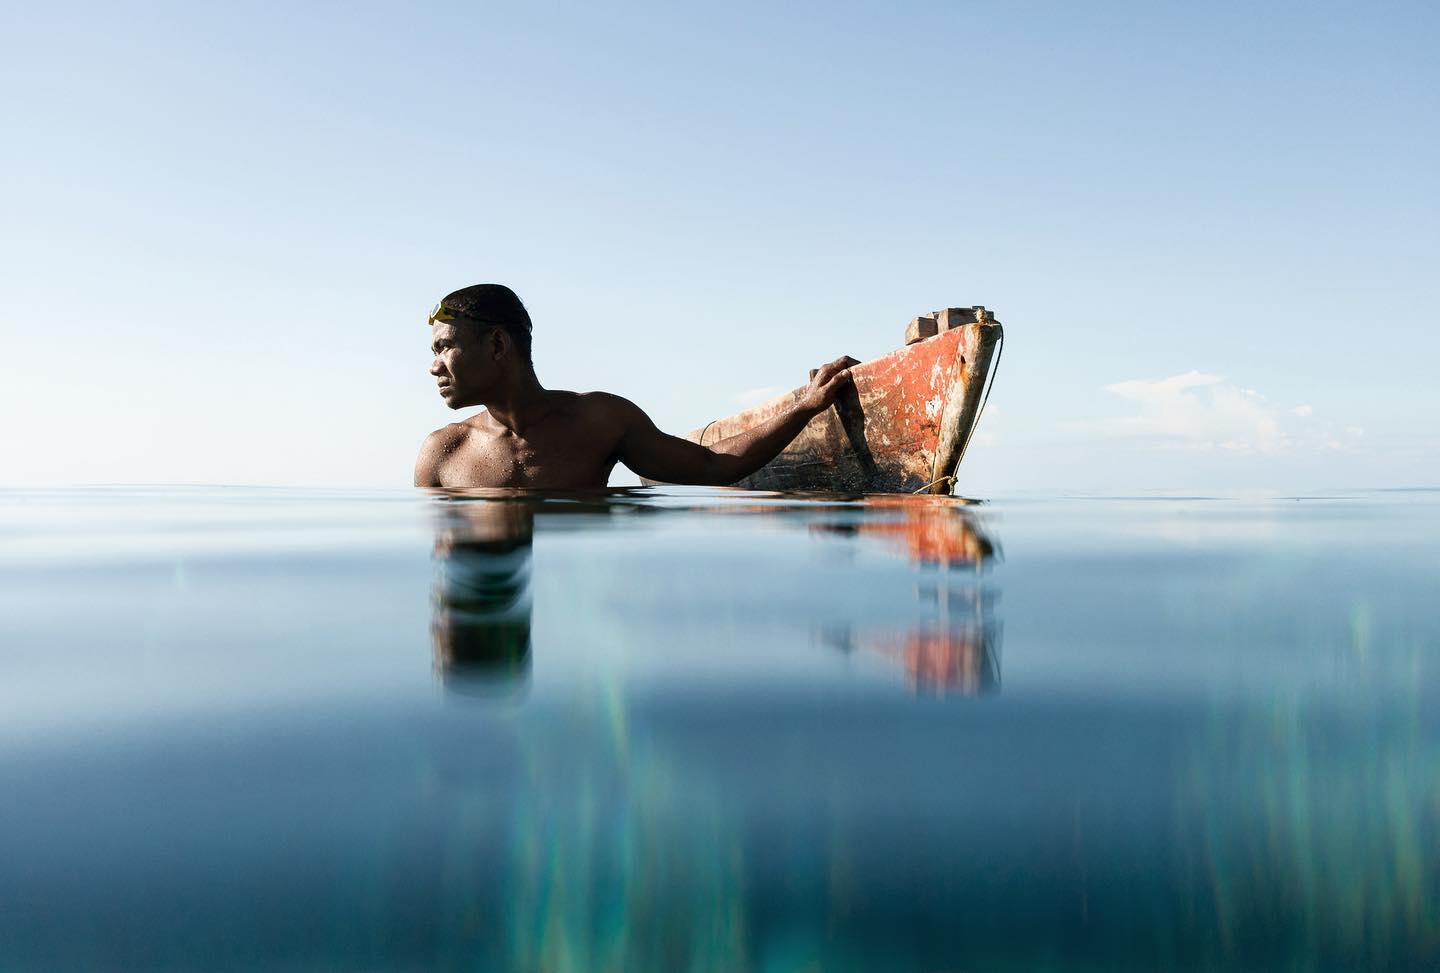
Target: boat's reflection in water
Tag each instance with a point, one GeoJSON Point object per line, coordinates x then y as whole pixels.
{"type": "Point", "coordinates": [481, 616]}
{"type": "Point", "coordinates": [953, 647]}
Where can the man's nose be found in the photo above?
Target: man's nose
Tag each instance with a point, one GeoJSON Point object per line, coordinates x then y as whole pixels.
{"type": "Point", "coordinates": [436, 368]}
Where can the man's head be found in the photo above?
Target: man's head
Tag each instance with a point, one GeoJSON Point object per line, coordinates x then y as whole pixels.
{"type": "Point", "coordinates": [478, 334]}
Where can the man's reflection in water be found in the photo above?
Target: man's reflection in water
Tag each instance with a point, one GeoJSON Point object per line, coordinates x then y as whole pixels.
{"type": "Point", "coordinates": [957, 648]}
{"type": "Point", "coordinates": [480, 621]}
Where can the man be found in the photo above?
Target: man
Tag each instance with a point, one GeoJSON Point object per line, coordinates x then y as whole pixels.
{"type": "Point", "coordinates": [537, 438]}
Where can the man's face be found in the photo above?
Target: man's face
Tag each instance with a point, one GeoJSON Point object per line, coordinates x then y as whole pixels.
{"type": "Point", "coordinates": [462, 367]}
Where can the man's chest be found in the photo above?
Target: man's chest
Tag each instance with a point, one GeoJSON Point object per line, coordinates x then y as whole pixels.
{"type": "Point", "coordinates": [561, 461]}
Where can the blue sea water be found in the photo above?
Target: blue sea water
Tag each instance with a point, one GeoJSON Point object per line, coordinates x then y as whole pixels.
{"type": "Point", "coordinates": [716, 730]}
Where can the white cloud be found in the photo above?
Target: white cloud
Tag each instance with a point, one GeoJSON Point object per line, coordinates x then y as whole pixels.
{"type": "Point", "coordinates": [1205, 412]}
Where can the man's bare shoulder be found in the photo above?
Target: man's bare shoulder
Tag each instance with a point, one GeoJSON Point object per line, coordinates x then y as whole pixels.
{"type": "Point", "coordinates": [449, 437]}
{"type": "Point", "coordinates": [439, 446]}
{"type": "Point", "coordinates": [607, 406]}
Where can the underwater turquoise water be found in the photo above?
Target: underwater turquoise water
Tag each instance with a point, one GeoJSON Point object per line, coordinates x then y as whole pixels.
{"type": "Point", "coordinates": [714, 730]}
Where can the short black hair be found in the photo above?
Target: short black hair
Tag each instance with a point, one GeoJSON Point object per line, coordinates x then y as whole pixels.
{"type": "Point", "coordinates": [493, 304]}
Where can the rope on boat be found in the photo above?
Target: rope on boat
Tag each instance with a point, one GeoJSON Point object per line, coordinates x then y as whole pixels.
{"type": "Point", "coordinates": [994, 370]}
{"type": "Point", "coordinates": [932, 483]}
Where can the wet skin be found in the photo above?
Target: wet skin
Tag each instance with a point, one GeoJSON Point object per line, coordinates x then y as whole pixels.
{"type": "Point", "coordinates": [537, 438]}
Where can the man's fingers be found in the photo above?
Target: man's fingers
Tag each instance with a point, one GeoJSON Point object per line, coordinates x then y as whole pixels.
{"type": "Point", "coordinates": [831, 377]}
{"type": "Point", "coordinates": [834, 382]}
{"type": "Point", "coordinates": [828, 371]}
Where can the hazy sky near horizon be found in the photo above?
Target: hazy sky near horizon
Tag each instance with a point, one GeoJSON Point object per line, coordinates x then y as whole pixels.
{"type": "Point", "coordinates": [1211, 230]}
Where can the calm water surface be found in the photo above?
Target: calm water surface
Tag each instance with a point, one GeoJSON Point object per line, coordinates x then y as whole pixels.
{"type": "Point", "coordinates": [711, 730]}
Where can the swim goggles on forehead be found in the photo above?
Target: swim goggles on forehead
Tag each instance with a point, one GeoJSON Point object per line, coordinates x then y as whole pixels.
{"type": "Point", "coordinates": [444, 315]}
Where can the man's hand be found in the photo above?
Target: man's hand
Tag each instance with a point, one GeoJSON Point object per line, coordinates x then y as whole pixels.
{"type": "Point", "coordinates": [827, 383]}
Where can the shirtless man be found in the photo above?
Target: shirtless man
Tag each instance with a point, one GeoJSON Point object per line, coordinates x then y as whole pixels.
{"type": "Point", "coordinates": [538, 438]}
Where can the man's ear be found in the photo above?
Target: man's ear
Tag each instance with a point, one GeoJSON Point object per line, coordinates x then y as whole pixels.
{"type": "Point", "coordinates": [499, 343]}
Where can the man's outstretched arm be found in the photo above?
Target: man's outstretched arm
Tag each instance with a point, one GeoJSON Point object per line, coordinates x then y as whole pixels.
{"type": "Point", "coordinates": [659, 456]}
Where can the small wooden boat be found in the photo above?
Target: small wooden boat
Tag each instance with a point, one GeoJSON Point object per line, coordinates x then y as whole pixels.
{"type": "Point", "coordinates": [902, 428]}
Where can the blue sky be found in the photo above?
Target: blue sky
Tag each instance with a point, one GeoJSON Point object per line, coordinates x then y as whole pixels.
{"type": "Point", "coordinates": [1211, 230]}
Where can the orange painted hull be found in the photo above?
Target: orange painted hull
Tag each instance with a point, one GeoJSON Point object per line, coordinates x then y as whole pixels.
{"type": "Point", "coordinates": [903, 428]}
